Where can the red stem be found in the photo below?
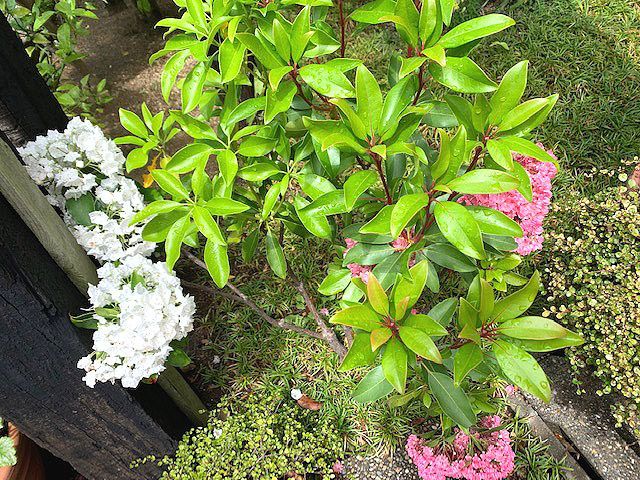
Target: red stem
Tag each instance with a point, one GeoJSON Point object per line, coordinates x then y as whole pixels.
{"type": "Point", "coordinates": [343, 42]}
{"type": "Point", "coordinates": [378, 161]}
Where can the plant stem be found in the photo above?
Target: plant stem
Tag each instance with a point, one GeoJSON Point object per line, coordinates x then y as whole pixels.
{"type": "Point", "coordinates": [239, 297]}
{"type": "Point", "coordinates": [343, 42]}
{"type": "Point", "coordinates": [328, 335]}
{"type": "Point", "coordinates": [378, 161]}
{"type": "Point", "coordinates": [420, 84]}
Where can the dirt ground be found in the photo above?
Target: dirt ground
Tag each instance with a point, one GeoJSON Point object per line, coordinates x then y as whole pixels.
{"type": "Point", "coordinates": [118, 48]}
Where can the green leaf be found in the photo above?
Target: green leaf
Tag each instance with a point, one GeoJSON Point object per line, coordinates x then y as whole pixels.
{"type": "Point", "coordinates": [366, 254]}
{"type": "Point", "coordinates": [174, 239]}
{"type": "Point", "coordinates": [281, 40]}
{"type": "Point", "coordinates": [378, 337]}
{"type": "Point", "coordinates": [358, 316]}
{"type": "Point", "coordinates": [377, 296]}
{"type": "Point", "coordinates": [250, 244]}
{"type": "Point", "coordinates": [427, 324]}
{"type": "Point", "coordinates": [277, 74]}
{"type": "Point", "coordinates": [279, 101]}
{"type": "Point", "coordinates": [525, 188]}
{"type": "Point", "coordinates": [460, 228]}
{"type": "Point", "coordinates": [178, 358]}
{"type": "Point", "coordinates": [270, 200]}
{"type": "Point", "coordinates": [257, 172]}
{"type": "Point", "coordinates": [355, 123]}
{"type": "Point", "coordinates": [228, 165]}
{"type": "Point", "coordinates": [532, 328]}
{"type": "Point", "coordinates": [217, 261]}
{"type": "Point", "coordinates": [300, 34]}
{"type": "Point", "coordinates": [187, 158]}
{"type": "Point", "coordinates": [452, 399]}
{"type": "Point", "coordinates": [170, 72]}
{"type": "Point", "coordinates": [420, 343]}
{"type": "Point", "coordinates": [449, 257]}
{"type": "Point", "coordinates": [428, 18]}
{"type": "Point", "coordinates": [155, 208]}
{"type": "Point", "coordinates": [133, 123]}
{"type": "Point", "coordinates": [314, 185]}
{"type": "Point", "coordinates": [170, 183]}
{"type": "Point", "coordinates": [380, 224]}
{"type": "Point", "coordinates": [394, 364]}
{"type": "Point", "coordinates": [369, 99]}
{"type": "Point", "coordinates": [571, 340]}
{"type": "Point", "coordinates": [373, 12]}
{"type": "Point", "coordinates": [231, 58]}
{"type": "Point", "coordinates": [225, 206]}
{"type": "Point", "coordinates": [207, 225]}
{"type": "Point", "coordinates": [327, 80]}
{"type": "Point", "coordinates": [372, 387]}
{"type": "Point", "coordinates": [523, 112]}
{"type": "Point", "coordinates": [467, 357]}
{"type": "Point", "coordinates": [196, 11]}
{"type": "Point", "coordinates": [265, 54]}
{"type": "Point", "coordinates": [518, 302]}
{"type": "Point", "coordinates": [494, 222]}
{"type": "Point", "coordinates": [275, 256]}
{"type": "Point", "coordinates": [80, 208]}
{"type": "Point", "coordinates": [314, 222]}
{"type": "Point", "coordinates": [356, 185]}
{"type": "Point", "coordinates": [403, 211]}
{"type": "Point", "coordinates": [335, 282]}
{"type": "Point", "coordinates": [528, 148]}
{"type": "Point", "coordinates": [484, 181]}
{"type": "Point", "coordinates": [500, 153]}
{"type": "Point", "coordinates": [443, 311]}
{"type": "Point", "coordinates": [462, 75]}
{"type": "Point", "coordinates": [246, 109]}
{"type": "Point", "coordinates": [397, 100]}
{"type": "Point", "coordinates": [522, 369]}
{"type": "Point", "coordinates": [410, 65]}
{"type": "Point", "coordinates": [192, 87]}
{"type": "Point", "coordinates": [509, 92]}
{"type": "Point", "coordinates": [411, 289]}
{"type": "Point", "coordinates": [360, 353]}
{"type": "Point", "coordinates": [474, 29]}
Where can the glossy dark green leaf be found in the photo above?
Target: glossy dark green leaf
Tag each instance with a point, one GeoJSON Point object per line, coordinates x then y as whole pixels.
{"type": "Point", "coordinates": [356, 185]}
{"type": "Point", "coordinates": [372, 387]}
{"type": "Point", "coordinates": [518, 302]}
{"type": "Point", "coordinates": [460, 228]}
{"type": "Point", "coordinates": [452, 399]}
{"type": "Point", "coordinates": [466, 358]}
{"type": "Point", "coordinates": [404, 210]}
{"type": "Point", "coordinates": [360, 353]}
{"type": "Point", "coordinates": [275, 256]}
{"type": "Point", "coordinates": [420, 343]}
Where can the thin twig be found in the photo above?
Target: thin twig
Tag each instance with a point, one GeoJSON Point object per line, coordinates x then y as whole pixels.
{"type": "Point", "coordinates": [378, 161]}
{"type": "Point", "coordinates": [343, 41]}
{"type": "Point", "coordinates": [328, 335]}
{"type": "Point", "coordinates": [239, 297]}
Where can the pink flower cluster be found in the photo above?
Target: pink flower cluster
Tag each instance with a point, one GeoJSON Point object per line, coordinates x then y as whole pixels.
{"type": "Point", "coordinates": [463, 459]}
{"type": "Point", "coordinates": [529, 215]}
{"type": "Point", "coordinates": [399, 244]}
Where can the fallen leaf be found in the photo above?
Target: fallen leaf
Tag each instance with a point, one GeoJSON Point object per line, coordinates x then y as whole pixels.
{"type": "Point", "coordinates": [309, 403]}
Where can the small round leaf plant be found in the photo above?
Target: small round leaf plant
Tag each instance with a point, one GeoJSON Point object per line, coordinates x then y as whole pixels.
{"type": "Point", "coordinates": [303, 141]}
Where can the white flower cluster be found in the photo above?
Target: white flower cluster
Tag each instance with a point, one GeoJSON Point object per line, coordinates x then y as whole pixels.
{"type": "Point", "coordinates": [152, 310]}
{"type": "Point", "coordinates": [79, 161]}
{"type": "Point", "coordinates": [138, 304]}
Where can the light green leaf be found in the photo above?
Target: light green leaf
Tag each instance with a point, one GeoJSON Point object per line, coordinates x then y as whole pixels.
{"type": "Point", "coordinates": [484, 181]}
{"type": "Point", "coordinates": [278, 101]}
{"type": "Point", "coordinates": [356, 185]}
{"type": "Point", "coordinates": [360, 353]}
{"type": "Point", "coordinates": [509, 92]}
{"type": "Point", "coordinates": [358, 316]}
{"type": "Point", "coordinates": [326, 80]}
{"type": "Point", "coordinates": [500, 153]}
{"type": "Point", "coordinates": [172, 244]}
{"type": "Point", "coordinates": [528, 148]}
{"type": "Point", "coordinates": [522, 369]}
{"type": "Point", "coordinates": [170, 72]}
{"type": "Point", "coordinates": [462, 75]}
{"type": "Point", "coordinates": [133, 123]}
{"type": "Point", "coordinates": [518, 302]}
{"type": "Point", "coordinates": [532, 328]}
{"type": "Point", "coordinates": [403, 211]}
{"type": "Point", "coordinates": [187, 158]}
{"type": "Point", "coordinates": [494, 222]}
{"type": "Point", "coordinates": [231, 58]}
{"type": "Point", "coordinates": [335, 282]}
{"type": "Point", "coordinates": [207, 225]}
{"type": "Point", "coordinates": [225, 206]}
{"type": "Point", "coordinates": [474, 29]}
{"type": "Point", "coordinates": [394, 364]}
{"type": "Point", "coordinates": [420, 343]}
{"type": "Point", "coordinates": [170, 183]}
{"type": "Point", "coordinates": [155, 208]}
{"type": "Point", "coordinates": [426, 323]}
{"type": "Point", "coordinates": [380, 224]}
{"type": "Point", "coordinates": [377, 296]}
{"type": "Point", "coordinates": [192, 87]}
{"type": "Point", "coordinates": [369, 99]}
{"type": "Point", "coordinates": [217, 261]}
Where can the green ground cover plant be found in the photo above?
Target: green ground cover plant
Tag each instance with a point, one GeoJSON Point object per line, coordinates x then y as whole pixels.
{"type": "Point", "coordinates": [594, 288]}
